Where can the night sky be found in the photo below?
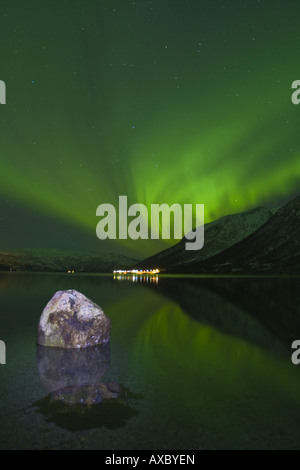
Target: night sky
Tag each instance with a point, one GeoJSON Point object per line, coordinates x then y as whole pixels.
{"type": "Point", "coordinates": [165, 101]}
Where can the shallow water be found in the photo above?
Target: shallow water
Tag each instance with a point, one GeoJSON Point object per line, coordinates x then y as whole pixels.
{"type": "Point", "coordinates": [202, 363]}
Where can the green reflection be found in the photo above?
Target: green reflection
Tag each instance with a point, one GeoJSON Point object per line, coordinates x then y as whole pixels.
{"type": "Point", "coordinates": [235, 393]}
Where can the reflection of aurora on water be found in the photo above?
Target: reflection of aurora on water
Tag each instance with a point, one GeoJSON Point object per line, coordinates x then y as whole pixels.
{"type": "Point", "coordinates": [201, 362]}
{"type": "Point", "coordinates": [215, 375]}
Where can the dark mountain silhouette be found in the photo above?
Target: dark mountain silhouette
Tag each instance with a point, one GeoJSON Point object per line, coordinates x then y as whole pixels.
{"type": "Point", "coordinates": [252, 242]}
{"type": "Point", "coordinates": [218, 236]}
{"type": "Point", "coordinates": [61, 261]}
{"type": "Point", "coordinates": [274, 248]}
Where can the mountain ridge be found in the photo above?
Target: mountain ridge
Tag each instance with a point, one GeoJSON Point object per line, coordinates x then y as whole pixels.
{"type": "Point", "coordinates": [218, 236]}
{"type": "Point", "coordinates": [251, 242]}
{"type": "Point", "coordinates": [62, 261]}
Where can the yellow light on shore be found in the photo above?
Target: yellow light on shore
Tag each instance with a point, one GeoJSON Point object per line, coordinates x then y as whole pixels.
{"type": "Point", "coordinates": [150, 272]}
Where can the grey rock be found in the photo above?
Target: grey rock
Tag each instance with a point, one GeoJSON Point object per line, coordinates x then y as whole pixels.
{"type": "Point", "coordinates": [72, 321]}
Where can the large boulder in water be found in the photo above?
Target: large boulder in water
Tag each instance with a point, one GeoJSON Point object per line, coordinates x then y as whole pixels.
{"type": "Point", "coordinates": [72, 321]}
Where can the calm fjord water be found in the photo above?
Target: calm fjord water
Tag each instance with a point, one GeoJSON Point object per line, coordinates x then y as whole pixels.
{"type": "Point", "coordinates": [203, 363]}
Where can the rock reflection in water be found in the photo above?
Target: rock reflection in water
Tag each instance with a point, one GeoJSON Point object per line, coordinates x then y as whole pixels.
{"type": "Point", "coordinates": [74, 377]}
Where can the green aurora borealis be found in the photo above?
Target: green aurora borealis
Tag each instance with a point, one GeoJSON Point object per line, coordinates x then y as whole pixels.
{"type": "Point", "coordinates": [165, 101]}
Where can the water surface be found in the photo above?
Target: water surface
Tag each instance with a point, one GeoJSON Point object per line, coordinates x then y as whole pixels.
{"type": "Point", "coordinates": [201, 363]}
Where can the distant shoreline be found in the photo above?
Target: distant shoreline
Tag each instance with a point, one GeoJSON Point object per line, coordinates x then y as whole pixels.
{"type": "Point", "coordinates": [165, 275]}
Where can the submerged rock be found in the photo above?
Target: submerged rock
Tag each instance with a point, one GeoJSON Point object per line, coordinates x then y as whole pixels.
{"type": "Point", "coordinates": [74, 377]}
{"type": "Point", "coordinates": [72, 321]}
{"type": "Point", "coordinates": [63, 368]}
{"type": "Point", "coordinates": [88, 395]}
